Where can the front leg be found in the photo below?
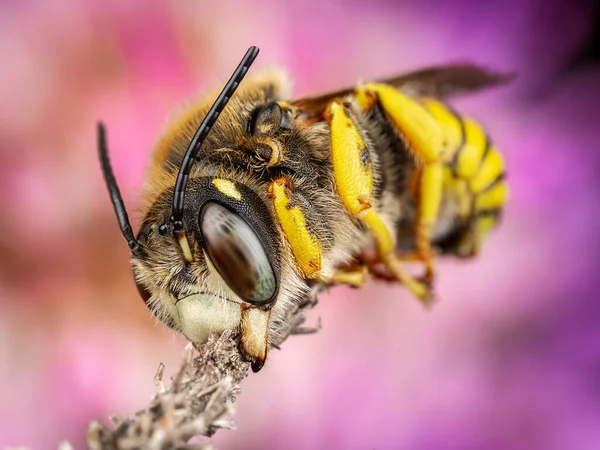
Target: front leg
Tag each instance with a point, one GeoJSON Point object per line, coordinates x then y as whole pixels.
{"type": "Point", "coordinates": [353, 173]}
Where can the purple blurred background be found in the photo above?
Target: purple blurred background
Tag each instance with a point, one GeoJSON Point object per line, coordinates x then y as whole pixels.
{"type": "Point", "coordinates": [510, 356]}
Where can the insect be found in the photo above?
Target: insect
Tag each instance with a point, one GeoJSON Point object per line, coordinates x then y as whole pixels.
{"type": "Point", "coordinates": [255, 200]}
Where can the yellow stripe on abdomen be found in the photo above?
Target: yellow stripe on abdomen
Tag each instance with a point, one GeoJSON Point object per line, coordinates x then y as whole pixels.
{"type": "Point", "coordinates": [451, 124]}
{"type": "Point", "coordinates": [492, 167]}
{"type": "Point", "coordinates": [468, 158]}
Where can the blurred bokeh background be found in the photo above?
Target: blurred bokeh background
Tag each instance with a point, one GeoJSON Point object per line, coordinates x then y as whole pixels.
{"type": "Point", "coordinates": [510, 356]}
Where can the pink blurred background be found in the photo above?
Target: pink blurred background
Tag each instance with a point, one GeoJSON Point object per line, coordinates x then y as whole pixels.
{"type": "Point", "coordinates": [509, 357]}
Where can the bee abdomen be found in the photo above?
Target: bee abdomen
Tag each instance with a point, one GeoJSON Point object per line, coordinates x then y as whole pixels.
{"type": "Point", "coordinates": [473, 178]}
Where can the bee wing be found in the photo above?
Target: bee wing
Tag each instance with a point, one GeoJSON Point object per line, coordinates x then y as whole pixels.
{"type": "Point", "coordinates": [439, 82]}
{"type": "Point", "coordinates": [446, 81]}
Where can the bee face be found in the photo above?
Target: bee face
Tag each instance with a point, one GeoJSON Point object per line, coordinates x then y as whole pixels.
{"type": "Point", "coordinates": [235, 258]}
{"type": "Point", "coordinates": [230, 264]}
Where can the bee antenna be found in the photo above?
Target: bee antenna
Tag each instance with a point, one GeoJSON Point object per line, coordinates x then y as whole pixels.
{"type": "Point", "coordinates": [202, 132]}
{"type": "Point", "coordinates": [115, 194]}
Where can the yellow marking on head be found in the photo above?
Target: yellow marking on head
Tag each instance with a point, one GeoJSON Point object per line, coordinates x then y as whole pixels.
{"type": "Point", "coordinates": [305, 246]}
{"type": "Point", "coordinates": [351, 158]}
{"type": "Point", "coordinates": [417, 126]}
{"type": "Point", "coordinates": [469, 157]}
{"type": "Point", "coordinates": [227, 187]}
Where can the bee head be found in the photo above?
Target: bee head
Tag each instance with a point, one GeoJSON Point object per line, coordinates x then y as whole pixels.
{"type": "Point", "coordinates": [206, 246]}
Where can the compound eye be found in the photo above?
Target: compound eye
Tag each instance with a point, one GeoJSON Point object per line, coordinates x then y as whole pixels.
{"type": "Point", "coordinates": [268, 119]}
{"type": "Point", "coordinates": [238, 255]}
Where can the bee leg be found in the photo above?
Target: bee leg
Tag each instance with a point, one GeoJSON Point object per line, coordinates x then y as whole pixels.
{"type": "Point", "coordinates": [353, 173]}
{"type": "Point", "coordinates": [430, 199]}
{"type": "Point", "coordinates": [295, 225]}
{"type": "Point", "coordinates": [353, 276]}
{"type": "Point", "coordinates": [387, 253]}
{"type": "Point", "coordinates": [255, 335]}
{"type": "Point", "coordinates": [425, 137]}
{"type": "Point", "coordinates": [429, 195]}
{"type": "Point", "coordinates": [305, 246]}
{"type": "Point", "coordinates": [414, 181]}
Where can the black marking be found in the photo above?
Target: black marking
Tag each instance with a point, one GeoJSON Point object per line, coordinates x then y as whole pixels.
{"type": "Point", "coordinates": [313, 221]}
{"type": "Point", "coordinates": [495, 212]}
{"type": "Point", "coordinates": [488, 146]}
{"type": "Point", "coordinates": [461, 145]}
{"type": "Point", "coordinates": [494, 183]}
{"type": "Point", "coordinates": [394, 156]}
{"type": "Point", "coordinates": [292, 202]}
{"type": "Point", "coordinates": [365, 157]}
{"type": "Point", "coordinates": [450, 243]}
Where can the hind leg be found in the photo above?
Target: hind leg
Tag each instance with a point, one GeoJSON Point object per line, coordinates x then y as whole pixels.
{"type": "Point", "coordinates": [426, 138]}
{"type": "Point", "coordinates": [353, 172]}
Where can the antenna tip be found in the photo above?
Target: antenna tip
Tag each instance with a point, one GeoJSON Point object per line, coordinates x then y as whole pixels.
{"type": "Point", "coordinates": [252, 53]}
{"type": "Point", "coordinates": [101, 131]}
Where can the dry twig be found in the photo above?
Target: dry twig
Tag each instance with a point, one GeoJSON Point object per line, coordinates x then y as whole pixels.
{"type": "Point", "coordinates": [199, 401]}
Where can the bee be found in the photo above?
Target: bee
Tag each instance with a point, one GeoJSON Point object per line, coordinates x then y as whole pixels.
{"type": "Point", "coordinates": [256, 201]}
